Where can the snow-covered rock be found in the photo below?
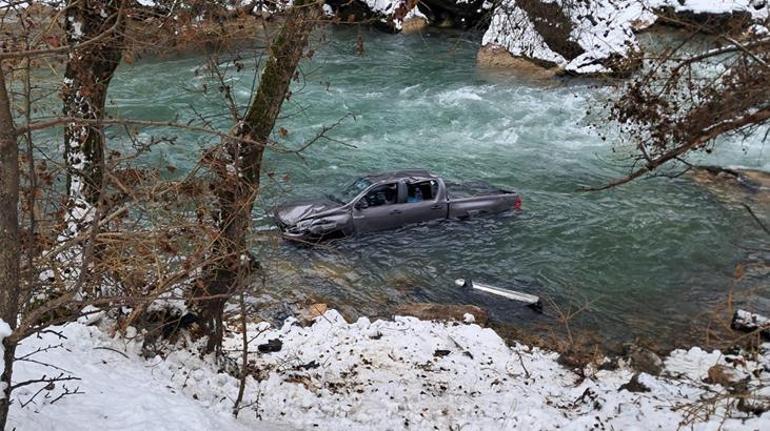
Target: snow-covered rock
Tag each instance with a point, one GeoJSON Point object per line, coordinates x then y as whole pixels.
{"type": "Point", "coordinates": [597, 36]}
{"type": "Point", "coordinates": [579, 37]}
{"type": "Point", "coordinates": [368, 375]}
{"type": "Point", "coordinates": [711, 9]}
{"type": "Point", "coordinates": [388, 15]}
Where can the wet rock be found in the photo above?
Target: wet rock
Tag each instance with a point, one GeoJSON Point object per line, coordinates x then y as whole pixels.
{"type": "Point", "coordinates": [752, 406]}
{"type": "Point", "coordinates": [645, 360]}
{"type": "Point", "coordinates": [726, 376]}
{"type": "Point", "coordinates": [577, 359]}
{"type": "Point", "coordinates": [747, 321]}
{"type": "Point", "coordinates": [496, 57]}
{"type": "Point", "coordinates": [414, 25]}
{"type": "Point", "coordinates": [735, 185]}
{"type": "Point", "coordinates": [308, 314]}
{"type": "Point", "coordinates": [583, 38]}
{"type": "Point", "coordinates": [634, 385]}
{"type": "Point", "coordinates": [676, 13]}
{"type": "Point", "coordinates": [443, 312]}
{"type": "Point", "coordinates": [339, 274]}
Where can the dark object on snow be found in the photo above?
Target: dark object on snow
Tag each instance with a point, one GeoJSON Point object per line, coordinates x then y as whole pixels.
{"type": "Point", "coordinates": [271, 346]}
{"type": "Point", "coordinates": [309, 366]}
{"type": "Point", "coordinates": [441, 352]}
{"type": "Point", "coordinates": [532, 301]}
{"type": "Point", "coordinates": [634, 385]}
{"type": "Point", "coordinates": [389, 201]}
{"type": "Point", "coordinates": [747, 321]}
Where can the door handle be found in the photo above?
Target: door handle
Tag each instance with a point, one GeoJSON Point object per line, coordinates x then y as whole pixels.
{"type": "Point", "coordinates": [396, 212]}
{"type": "Point", "coordinates": [437, 207]}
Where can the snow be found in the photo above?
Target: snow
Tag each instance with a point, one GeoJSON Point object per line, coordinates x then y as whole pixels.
{"type": "Point", "coordinates": [386, 10]}
{"type": "Point", "coordinates": [364, 375]}
{"type": "Point", "coordinates": [757, 8]}
{"type": "Point", "coordinates": [603, 28]}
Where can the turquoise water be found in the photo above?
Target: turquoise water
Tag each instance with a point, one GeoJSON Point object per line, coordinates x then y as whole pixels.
{"type": "Point", "coordinates": [650, 258]}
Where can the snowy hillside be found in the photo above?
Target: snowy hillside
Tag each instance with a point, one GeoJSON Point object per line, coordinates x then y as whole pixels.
{"type": "Point", "coordinates": [367, 375]}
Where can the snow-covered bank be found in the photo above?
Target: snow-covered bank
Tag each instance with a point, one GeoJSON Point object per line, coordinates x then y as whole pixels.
{"type": "Point", "coordinates": [579, 37]}
{"type": "Point", "coordinates": [597, 37]}
{"type": "Point", "coordinates": [405, 373]}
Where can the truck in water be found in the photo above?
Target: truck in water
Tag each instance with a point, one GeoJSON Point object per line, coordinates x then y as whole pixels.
{"type": "Point", "coordinates": [388, 201]}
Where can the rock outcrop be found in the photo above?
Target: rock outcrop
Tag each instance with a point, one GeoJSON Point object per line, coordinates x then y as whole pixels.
{"type": "Point", "coordinates": [581, 38]}
{"type": "Point", "coordinates": [598, 37]}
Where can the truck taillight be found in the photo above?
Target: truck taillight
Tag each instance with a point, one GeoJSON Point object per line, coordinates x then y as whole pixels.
{"type": "Point", "coordinates": [517, 203]}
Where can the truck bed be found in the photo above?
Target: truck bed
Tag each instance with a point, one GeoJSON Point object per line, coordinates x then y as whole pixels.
{"type": "Point", "coordinates": [478, 198]}
{"type": "Point", "coordinates": [472, 189]}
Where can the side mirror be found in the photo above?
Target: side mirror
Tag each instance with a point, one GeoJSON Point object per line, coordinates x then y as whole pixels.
{"type": "Point", "coordinates": [361, 204]}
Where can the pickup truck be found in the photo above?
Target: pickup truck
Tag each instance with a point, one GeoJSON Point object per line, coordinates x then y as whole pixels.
{"type": "Point", "coordinates": [388, 201]}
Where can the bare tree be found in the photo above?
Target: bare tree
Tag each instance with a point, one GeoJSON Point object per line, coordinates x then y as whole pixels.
{"type": "Point", "coordinates": [10, 253]}
{"type": "Point", "coordinates": [688, 97]}
{"type": "Point", "coordinates": [238, 165]}
{"type": "Point", "coordinates": [89, 71]}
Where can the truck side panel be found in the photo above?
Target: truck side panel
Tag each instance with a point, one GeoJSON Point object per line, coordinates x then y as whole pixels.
{"type": "Point", "coordinates": [471, 207]}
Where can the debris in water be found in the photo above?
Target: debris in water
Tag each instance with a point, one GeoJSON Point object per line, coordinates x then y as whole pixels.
{"type": "Point", "coordinates": [532, 301]}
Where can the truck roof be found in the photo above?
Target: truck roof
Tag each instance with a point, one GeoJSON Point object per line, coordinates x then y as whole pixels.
{"type": "Point", "coordinates": [410, 174]}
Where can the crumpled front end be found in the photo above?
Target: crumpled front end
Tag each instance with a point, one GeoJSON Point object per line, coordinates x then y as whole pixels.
{"type": "Point", "coordinates": [310, 220]}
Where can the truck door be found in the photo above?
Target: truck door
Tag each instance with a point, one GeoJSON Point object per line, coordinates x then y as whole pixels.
{"type": "Point", "coordinates": [378, 209]}
{"type": "Point", "coordinates": [423, 202]}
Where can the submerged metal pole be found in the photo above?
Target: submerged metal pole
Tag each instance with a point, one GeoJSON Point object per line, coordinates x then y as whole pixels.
{"type": "Point", "coordinates": [531, 300]}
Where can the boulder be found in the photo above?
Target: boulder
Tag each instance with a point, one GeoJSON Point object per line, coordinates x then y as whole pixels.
{"type": "Point", "coordinates": [710, 17]}
{"type": "Point", "coordinates": [747, 321]}
{"type": "Point", "coordinates": [598, 37]}
{"type": "Point", "coordinates": [645, 360]}
{"type": "Point", "coordinates": [726, 376]}
{"type": "Point", "coordinates": [414, 25]}
{"type": "Point", "coordinates": [736, 185]}
{"type": "Point", "coordinates": [497, 57]}
{"type": "Point", "coordinates": [308, 314]}
{"type": "Point", "coordinates": [443, 312]}
{"type": "Point", "coordinates": [583, 38]}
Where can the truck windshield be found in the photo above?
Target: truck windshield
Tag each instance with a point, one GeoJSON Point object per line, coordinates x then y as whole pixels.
{"type": "Point", "coordinates": [351, 191]}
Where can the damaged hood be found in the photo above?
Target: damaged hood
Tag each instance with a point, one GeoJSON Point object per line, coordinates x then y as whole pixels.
{"type": "Point", "coordinates": [291, 213]}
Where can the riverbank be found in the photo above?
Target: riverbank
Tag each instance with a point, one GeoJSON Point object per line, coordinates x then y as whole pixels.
{"type": "Point", "coordinates": [399, 374]}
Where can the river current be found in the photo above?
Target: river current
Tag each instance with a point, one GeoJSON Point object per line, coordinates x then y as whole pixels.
{"type": "Point", "coordinates": [648, 259]}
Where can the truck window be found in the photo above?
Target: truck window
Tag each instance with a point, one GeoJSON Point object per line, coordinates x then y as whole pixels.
{"type": "Point", "coordinates": [422, 191]}
{"type": "Point", "coordinates": [386, 194]}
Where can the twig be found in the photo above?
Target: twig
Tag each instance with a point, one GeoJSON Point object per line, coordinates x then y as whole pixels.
{"type": "Point", "coordinates": [112, 350]}
{"type": "Point", "coordinates": [756, 219]}
{"type": "Point", "coordinates": [244, 357]}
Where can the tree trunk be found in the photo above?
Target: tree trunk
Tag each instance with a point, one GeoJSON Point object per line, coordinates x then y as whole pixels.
{"type": "Point", "coordinates": [88, 74]}
{"type": "Point", "coordinates": [10, 251]}
{"type": "Point", "coordinates": [238, 186]}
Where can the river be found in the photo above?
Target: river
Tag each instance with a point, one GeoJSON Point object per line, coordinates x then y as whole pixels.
{"type": "Point", "coordinates": [646, 260]}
